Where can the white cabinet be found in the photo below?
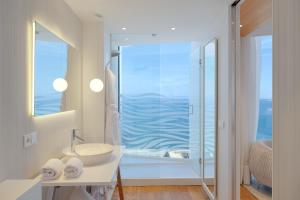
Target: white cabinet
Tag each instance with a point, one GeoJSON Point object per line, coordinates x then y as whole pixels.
{"type": "Point", "coordinates": [21, 190]}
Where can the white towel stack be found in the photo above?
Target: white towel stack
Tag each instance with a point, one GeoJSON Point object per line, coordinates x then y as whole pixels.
{"type": "Point", "coordinates": [73, 168]}
{"type": "Point", "coordinates": [52, 169]}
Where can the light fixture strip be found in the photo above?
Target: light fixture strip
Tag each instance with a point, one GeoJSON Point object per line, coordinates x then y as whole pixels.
{"type": "Point", "coordinates": [32, 68]}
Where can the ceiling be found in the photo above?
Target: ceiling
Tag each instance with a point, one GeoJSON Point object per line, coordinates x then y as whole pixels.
{"type": "Point", "coordinates": [254, 13]}
{"type": "Point", "coordinates": [146, 17]}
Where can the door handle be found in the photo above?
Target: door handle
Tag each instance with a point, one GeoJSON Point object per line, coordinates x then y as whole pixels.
{"type": "Point", "coordinates": [191, 109]}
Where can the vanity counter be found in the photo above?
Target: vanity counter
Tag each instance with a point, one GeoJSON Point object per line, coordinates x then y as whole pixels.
{"type": "Point", "coordinates": [98, 175]}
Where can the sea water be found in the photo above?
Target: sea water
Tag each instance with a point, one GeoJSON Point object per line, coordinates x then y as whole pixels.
{"type": "Point", "coordinates": [152, 121]}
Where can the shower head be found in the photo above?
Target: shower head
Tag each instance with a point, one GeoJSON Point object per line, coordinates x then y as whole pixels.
{"type": "Point", "coordinates": [115, 53]}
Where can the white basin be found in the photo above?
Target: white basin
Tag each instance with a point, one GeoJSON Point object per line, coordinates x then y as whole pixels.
{"type": "Point", "coordinates": [91, 153]}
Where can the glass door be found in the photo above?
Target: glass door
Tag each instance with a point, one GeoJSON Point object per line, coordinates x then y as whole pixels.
{"type": "Point", "coordinates": [160, 110]}
{"type": "Point", "coordinates": [195, 108]}
{"type": "Point", "coordinates": [210, 117]}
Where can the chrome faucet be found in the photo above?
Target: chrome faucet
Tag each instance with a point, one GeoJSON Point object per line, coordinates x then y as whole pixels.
{"type": "Point", "coordinates": [74, 137]}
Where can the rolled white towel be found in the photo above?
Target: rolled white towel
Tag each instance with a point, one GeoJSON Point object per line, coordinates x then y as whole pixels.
{"type": "Point", "coordinates": [52, 169]}
{"type": "Point", "coordinates": [73, 168]}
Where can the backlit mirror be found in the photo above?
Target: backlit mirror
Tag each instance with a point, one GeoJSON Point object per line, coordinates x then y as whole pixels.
{"type": "Point", "coordinates": [54, 73]}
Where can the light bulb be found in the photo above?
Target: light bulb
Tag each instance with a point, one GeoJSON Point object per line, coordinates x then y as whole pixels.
{"type": "Point", "coordinates": [96, 85]}
{"type": "Point", "coordinates": [60, 84]}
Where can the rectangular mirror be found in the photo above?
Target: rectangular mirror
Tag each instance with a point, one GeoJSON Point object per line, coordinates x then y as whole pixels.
{"type": "Point", "coordinates": [52, 73]}
{"type": "Point", "coordinates": [210, 116]}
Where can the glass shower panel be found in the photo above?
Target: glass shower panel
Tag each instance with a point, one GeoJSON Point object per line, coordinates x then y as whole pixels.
{"type": "Point", "coordinates": [175, 66]}
{"type": "Point", "coordinates": [210, 118]}
{"type": "Point", "coordinates": [154, 96]}
{"type": "Point", "coordinates": [160, 108]}
{"type": "Point", "coordinates": [139, 98]}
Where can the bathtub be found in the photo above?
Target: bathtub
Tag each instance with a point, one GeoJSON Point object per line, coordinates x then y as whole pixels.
{"type": "Point", "coordinates": [260, 162]}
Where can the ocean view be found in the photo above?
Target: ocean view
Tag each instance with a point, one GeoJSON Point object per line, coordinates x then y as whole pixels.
{"type": "Point", "coordinates": [264, 131]}
{"type": "Point", "coordinates": [47, 104]}
{"type": "Point", "coordinates": [151, 121]}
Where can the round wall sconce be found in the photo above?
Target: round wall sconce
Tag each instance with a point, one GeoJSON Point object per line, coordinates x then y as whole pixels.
{"type": "Point", "coordinates": [96, 85]}
{"type": "Point", "coordinates": [60, 84]}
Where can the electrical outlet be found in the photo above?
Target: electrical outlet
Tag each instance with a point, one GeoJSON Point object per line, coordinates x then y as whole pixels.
{"type": "Point", "coordinates": [30, 139]}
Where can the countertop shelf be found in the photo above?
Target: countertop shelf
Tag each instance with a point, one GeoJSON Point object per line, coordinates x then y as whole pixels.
{"type": "Point", "coordinates": [22, 189]}
{"type": "Point", "coordinates": [98, 175]}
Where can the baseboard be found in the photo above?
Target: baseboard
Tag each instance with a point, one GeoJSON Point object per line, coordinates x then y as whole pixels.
{"type": "Point", "coordinates": [163, 181]}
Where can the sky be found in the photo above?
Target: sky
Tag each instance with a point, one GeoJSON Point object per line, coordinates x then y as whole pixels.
{"type": "Point", "coordinates": [210, 71]}
{"type": "Point", "coordinates": [51, 62]}
{"type": "Point", "coordinates": [266, 67]}
{"type": "Point", "coordinates": [157, 68]}
{"type": "Point", "coordinates": [163, 69]}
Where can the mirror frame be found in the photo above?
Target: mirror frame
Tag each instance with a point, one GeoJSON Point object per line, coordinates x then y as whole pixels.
{"type": "Point", "coordinates": [211, 194]}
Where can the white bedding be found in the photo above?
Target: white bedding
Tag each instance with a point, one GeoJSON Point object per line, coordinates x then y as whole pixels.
{"type": "Point", "coordinates": [260, 162]}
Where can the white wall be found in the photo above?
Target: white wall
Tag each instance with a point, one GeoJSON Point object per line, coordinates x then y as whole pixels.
{"type": "Point", "coordinates": [220, 30]}
{"type": "Point", "coordinates": [16, 18]}
{"type": "Point", "coordinates": [93, 67]}
{"type": "Point", "coordinates": [224, 173]}
{"type": "Point", "coordinates": [286, 99]}
{"type": "Point", "coordinates": [229, 2]}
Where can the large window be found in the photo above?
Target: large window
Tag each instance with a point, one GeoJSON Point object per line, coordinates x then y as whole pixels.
{"type": "Point", "coordinates": [154, 98]}
{"type": "Point", "coordinates": [264, 45]}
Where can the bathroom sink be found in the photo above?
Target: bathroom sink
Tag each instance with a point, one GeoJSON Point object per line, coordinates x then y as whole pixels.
{"type": "Point", "coordinates": [91, 153]}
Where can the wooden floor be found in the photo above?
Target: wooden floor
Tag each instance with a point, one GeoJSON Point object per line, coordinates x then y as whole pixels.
{"type": "Point", "coordinates": [246, 195]}
{"type": "Point", "coordinates": [171, 193]}
{"type": "Point", "coordinates": [163, 193]}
